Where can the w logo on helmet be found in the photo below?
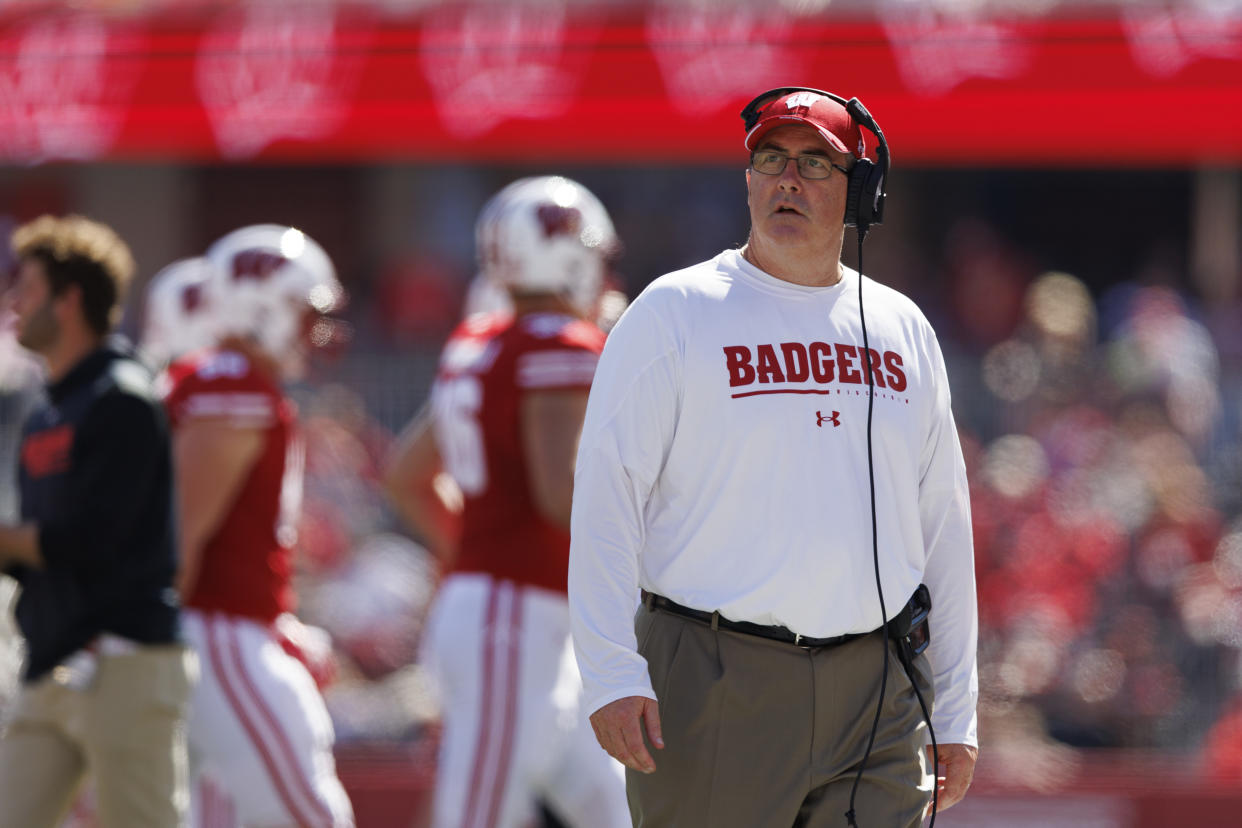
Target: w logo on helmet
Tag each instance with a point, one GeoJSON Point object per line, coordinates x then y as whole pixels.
{"type": "Point", "coordinates": [559, 221]}
{"type": "Point", "coordinates": [191, 298]}
{"type": "Point", "coordinates": [256, 265]}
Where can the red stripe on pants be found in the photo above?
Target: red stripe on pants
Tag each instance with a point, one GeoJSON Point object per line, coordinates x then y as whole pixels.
{"type": "Point", "coordinates": [489, 658]}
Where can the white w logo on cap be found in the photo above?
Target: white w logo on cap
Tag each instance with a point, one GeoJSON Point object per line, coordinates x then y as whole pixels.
{"type": "Point", "coordinates": [806, 99]}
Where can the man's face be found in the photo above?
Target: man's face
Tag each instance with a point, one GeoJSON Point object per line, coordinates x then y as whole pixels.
{"type": "Point", "coordinates": [789, 210]}
{"type": "Point", "coordinates": [37, 325]}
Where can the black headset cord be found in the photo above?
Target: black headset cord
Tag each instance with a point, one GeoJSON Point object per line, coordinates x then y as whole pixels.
{"type": "Point", "coordinates": [879, 587]}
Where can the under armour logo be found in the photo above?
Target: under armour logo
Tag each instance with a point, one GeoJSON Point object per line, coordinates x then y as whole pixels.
{"type": "Point", "coordinates": [833, 418]}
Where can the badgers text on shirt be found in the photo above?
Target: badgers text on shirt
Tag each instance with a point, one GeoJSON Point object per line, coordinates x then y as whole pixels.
{"type": "Point", "coordinates": [795, 362]}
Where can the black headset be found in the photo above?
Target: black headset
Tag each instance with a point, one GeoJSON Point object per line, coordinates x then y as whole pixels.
{"type": "Point", "coordinates": [864, 204]}
{"type": "Point", "coordinates": [864, 207]}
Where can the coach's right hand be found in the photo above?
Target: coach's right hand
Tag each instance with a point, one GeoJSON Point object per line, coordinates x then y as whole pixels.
{"type": "Point", "coordinates": [618, 727]}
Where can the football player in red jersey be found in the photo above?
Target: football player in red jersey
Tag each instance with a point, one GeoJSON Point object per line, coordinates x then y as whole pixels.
{"type": "Point", "coordinates": [503, 422]}
{"type": "Point", "coordinates": [260, 736]}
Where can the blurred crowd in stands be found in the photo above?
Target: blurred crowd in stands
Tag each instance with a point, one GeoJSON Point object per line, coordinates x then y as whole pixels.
{"type": "Point", "coordinates": [1102, 423]}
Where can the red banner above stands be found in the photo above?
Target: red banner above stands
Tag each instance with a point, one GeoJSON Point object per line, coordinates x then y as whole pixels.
{"type": "Point", "coordinates": [659, 83]}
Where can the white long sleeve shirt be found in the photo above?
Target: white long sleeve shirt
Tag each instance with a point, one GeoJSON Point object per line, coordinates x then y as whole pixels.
{"type": "Point", "coordinates": [723, 464]}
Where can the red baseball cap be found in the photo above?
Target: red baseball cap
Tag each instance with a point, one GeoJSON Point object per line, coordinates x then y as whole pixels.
{"type": "Point", "coordinates": [828, 116]}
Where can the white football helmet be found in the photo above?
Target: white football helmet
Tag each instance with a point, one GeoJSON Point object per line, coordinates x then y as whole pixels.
{"type": "Point", "coordinates": [271, 276]}
{"type": "Point", "coordinates": [547, 235]}
{"type": "Point", "coordinates": [179, 316]}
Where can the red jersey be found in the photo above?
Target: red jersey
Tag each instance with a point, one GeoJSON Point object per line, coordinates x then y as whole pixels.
{"type": "Point", "coordinates": [246, 566]}
{"type": "Point", "coordinates": [489, 364]}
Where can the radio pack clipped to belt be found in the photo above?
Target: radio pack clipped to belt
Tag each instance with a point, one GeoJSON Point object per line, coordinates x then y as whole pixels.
{"type": "Point", "coordinates": [909, 628]}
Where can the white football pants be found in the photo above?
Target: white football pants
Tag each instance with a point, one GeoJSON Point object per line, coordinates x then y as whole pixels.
{"type": "Point", "coordinates": [260, 736]}
{"type": "Point", "coordinates": [514, 731]}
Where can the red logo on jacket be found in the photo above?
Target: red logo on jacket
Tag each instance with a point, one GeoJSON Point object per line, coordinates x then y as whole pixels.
{"type": "Point", "coordinates": [47, 452]}
{"type": "Point", "coordinates": [834, 418]}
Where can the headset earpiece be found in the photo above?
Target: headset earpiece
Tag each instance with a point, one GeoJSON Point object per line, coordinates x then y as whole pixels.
{"type": "Point", "coordinates": [864, 204]}
{"type": "Point", "coordinates": [854, 195]}
{"type": "Point", "coordinates": [867, 178]}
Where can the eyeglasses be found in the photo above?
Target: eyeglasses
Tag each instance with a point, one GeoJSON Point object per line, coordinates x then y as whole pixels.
{"type": "Point", "coordinates": [810, 167]}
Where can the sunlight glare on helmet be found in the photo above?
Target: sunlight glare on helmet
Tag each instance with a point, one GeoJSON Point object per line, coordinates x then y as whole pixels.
{"type": "Point", "coordinates": [321, 333]}
{"type": "Point", "coordinates": [562, 192]}
{"type": "Point", "coordinates": [592, 236]}
{"type": "Point", "coordinates": [322, 298]}
{"type": "Point", "coordinates": [292, 243]}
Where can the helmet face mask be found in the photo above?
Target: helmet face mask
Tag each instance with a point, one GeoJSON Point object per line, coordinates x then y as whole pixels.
{"type": "Point", "coordinates": [275, 281]}
{"type": "Point", "coordinates": [546, 235]}
{"type": "Point", "coordinates": [180, 313]}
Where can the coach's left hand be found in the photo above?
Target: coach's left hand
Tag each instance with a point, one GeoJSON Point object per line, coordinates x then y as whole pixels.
{"type": "Point", "coordinates": [958, 762]}
{"type": "Point", "coordinates": [619, 727]}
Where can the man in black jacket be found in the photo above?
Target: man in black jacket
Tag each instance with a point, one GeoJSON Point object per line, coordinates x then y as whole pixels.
{"type": "Point", "coordinates": [107, 680]}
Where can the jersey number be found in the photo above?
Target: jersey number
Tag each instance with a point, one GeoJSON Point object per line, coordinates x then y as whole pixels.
{"type": "Point", "coordinates": [456, 405]}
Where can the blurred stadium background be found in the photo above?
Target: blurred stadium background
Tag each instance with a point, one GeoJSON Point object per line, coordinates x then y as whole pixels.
{"type": "Point", "coordinates": [1065, 204]}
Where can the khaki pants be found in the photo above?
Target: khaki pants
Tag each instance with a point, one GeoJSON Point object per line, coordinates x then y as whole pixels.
{"type": "Point", "coordinates": [127, 725]}
{"type": "Point", "coordinates": [763, 734]}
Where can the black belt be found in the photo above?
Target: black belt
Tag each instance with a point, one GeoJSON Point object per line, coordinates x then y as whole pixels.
{"type": "Point", "coordinates": [716, 620]}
